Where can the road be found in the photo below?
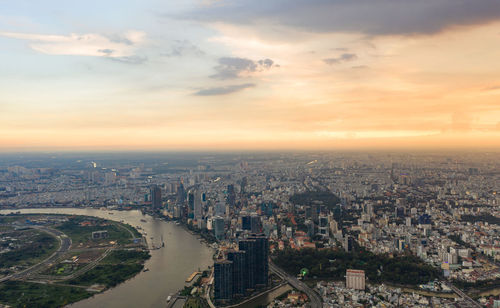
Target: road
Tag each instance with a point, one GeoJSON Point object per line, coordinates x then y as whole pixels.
{"type": "Point", "coordinates": [86, 268]}
{"type": "Point", "coordinates": [65, 244]}
{"type": "Point", "coordinates": [315, 299]}
{"type": "Point", "coordinates": [470, 302]}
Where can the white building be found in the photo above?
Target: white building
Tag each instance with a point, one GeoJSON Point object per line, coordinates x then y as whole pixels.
{"type": "Point", "coordinates": [355, 279]}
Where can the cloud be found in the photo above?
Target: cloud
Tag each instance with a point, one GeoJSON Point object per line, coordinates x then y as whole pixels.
{"type": "Point", "coordinates": [266, 63]}
{"type": "Point", "coordinates": [91, 44]}
{"type": "Point", "coordinates": [359, 67]}
{"type": "Point", "coordinates": [372, 17]}
{"type": "Point", "coordinates": [106, 51]}
{"type": "Point", "coordinates": [346, 57]}
{"type": "Point", "coordinates": [232, 67]}
{"type": "Point", "coordinates": [182, 48]}
{"type": "Point", "coordinates": [116, 38]}
{"type": "Point", "coordinates": [129, 60]}
{"type": "Point", "coordinates": [224, 90]}
{"type": "Point", "coordinates": [492, 88]}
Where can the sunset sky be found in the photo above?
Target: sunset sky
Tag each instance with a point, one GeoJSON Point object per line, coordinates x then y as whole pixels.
{"type": "Point", "coordinates": [247, 74]}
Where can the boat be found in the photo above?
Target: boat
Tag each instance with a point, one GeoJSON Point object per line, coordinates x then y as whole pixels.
{"type": "Point", "coordinates": [169, 298]}
{"type": "Point", "coordinates": [144, 220]}
{"type": "Point", "coordinates": [145, 270]}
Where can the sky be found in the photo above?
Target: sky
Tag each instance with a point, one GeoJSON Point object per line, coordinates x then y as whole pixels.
{"type": "Point", "coordinates": [249, 75]}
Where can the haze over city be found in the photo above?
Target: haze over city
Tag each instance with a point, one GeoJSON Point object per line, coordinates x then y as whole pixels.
{"type": "Point", "coordinates": [250, 154]}
{"type": "Point", "coordinates": [184, 75]}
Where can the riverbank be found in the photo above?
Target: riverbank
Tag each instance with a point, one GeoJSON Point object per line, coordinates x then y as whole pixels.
{"type": "Point", "coordinates": [85, 265]}
{"type": "Point", "coordinates": [168, 267]}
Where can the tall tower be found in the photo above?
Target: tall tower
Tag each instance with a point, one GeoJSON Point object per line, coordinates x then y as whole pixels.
{"type": "Point", "coordinates": [197, 205]}
{"type": "Point", "coordinates": [219, 228]}
{"type": "Point", "coordinates": [238, 259]}
{"type": "Point", "coordinates": [256, 248]}
{"type": "Point", "coordinates": [223, 280]}
{"type": "Point", "coordinates": [248, 246]}
{"type": "Point", "coordinates": [261, 259]}
{"type": "Point", "coordinates": [156, 197]}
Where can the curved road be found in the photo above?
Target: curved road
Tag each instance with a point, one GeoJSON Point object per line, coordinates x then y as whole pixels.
{"type": "Point", "coordinates": [65, 244]}
{"type": "Point", "coordinates": [316, 301]}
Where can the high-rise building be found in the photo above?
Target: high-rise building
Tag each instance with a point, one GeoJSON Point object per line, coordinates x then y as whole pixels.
{"type": "Point", "coordinates": [218, 225]}
{"type": "Point", "coordinates": [190, 204]}
{"type": "Point", "coordinates": [238, 259]}
{"type": "Point", "coordinates": [369, 210]}
{"type": "Point", "coordinates": [198, 211]}
{"type": "Point", "coordinates": [261, 259]}
{"type": "Point", "coordinates": [323, 225]}
{"type": "Point", "coordinates": [267, 208]}
{"type": "Point", "coordinates": [223, 280]}
{"type": "Point", "coordinates": [248, 246]}
{"type": "Point", "coordinates": [246, 223]}
{"type": "Point", "coordinates": [355, 279]}
{"type": "Point", "coordinates": [181, 194]}
{"type": "Point", "coordinates": [220, 208]}
{"type": "Point", "coordinates": [314, 213]}
{"type": "Point", "coordinates": [256, 247]}
{"type": "Point", "coordinates": [231, 195]}
{"type": "Point", "coordinates": [400, 212]}
{"type": "Point", "coordinates": [156, 196]}
{"type": "Point", "coordinates": [349, 243]}
{"type": "Point", "coordinates": [255, 224]}
{"type": "Point", "coordinates": [244, 270]}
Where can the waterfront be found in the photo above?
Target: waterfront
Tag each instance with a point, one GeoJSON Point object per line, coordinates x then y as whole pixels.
{"type": "Point", "coordinates": [168, 267]}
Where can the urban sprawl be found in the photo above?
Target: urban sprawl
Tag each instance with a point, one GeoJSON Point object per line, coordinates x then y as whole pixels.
{"type": "Point", "coordinates": [334, 227]}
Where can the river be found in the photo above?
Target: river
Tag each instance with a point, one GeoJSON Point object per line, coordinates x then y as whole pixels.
{"type": "Point", "coordinates": [168, 267]}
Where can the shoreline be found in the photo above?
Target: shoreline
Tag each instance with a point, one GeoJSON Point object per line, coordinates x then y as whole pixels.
{"type": "Point", "coordinates": [131, 220]}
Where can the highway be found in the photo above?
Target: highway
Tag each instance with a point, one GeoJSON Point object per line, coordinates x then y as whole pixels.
{"type": "Point", "coordinates": [470, 302]}
{"type": "Point", "coordinates": [315, 299]}
{"type": "Point", "coordinates": [65, 244]}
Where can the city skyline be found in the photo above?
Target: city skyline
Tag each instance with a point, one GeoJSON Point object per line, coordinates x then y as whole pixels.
{"type": "Point", "coordinates": [210, 75]}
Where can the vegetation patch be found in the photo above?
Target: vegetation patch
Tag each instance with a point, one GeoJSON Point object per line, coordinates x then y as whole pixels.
{"type": "Point", "coordinates": [126, 257]}
{"type": "Point", "coordinates": [80, 228]}
{"type": "Point", "coordinates": [332, 264]}
{"type": "Point", "coordinates": [109, 275]}
{"type": "Point", "coordinates": [478, 286]}
{"type": "Point", "coordinates": [328, 199]}
{"type": "Point", "coordinates": [30, 247]}
{"type": "Point", "coordinates": [115, 268]}
{"type": "Point", "coordinates": [481, 218]}
{"type": "Point", "coordinates": [27, 294]}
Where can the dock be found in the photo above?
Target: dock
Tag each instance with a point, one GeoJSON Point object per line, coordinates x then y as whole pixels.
{"type": "Point", "coordinates": [191, 277]}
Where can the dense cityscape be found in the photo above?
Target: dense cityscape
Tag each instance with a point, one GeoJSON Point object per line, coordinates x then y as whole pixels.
{"type": "Point", "coordinates": [327, 229]}
{"type": "Point", "coordinates": [249, 154]}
